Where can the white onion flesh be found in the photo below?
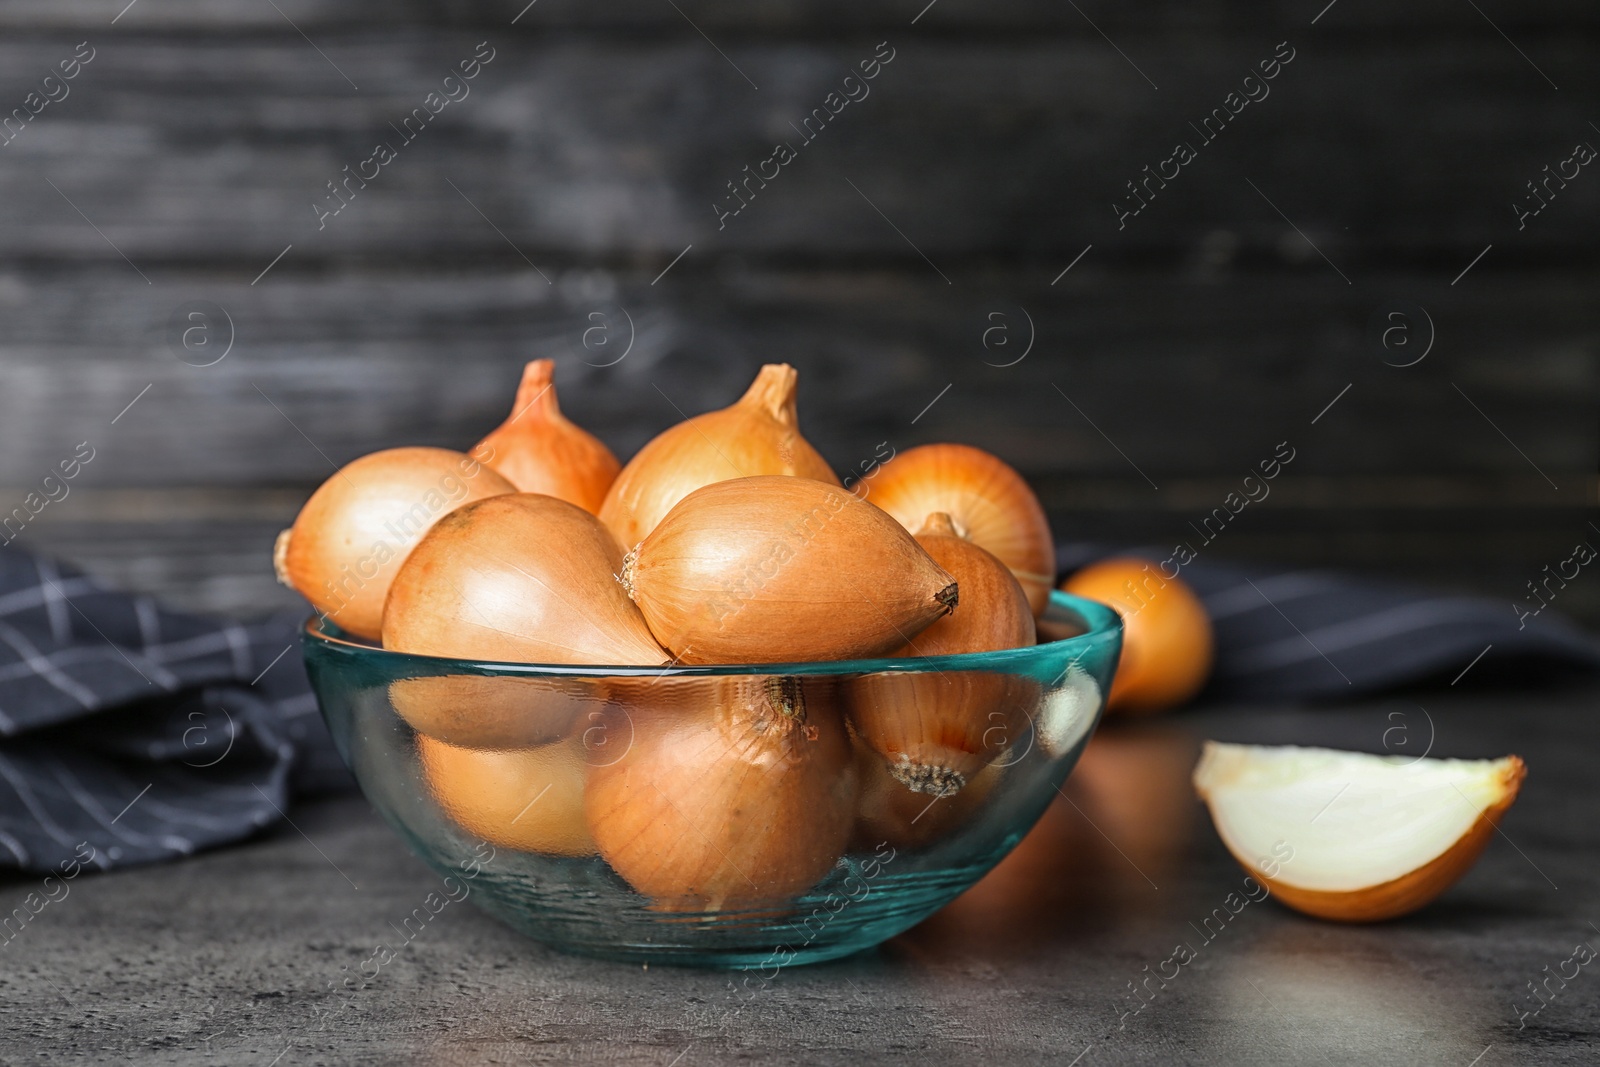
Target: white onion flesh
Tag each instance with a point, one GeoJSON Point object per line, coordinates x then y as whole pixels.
{"type": "Point", "coordinates": [1352, 820]}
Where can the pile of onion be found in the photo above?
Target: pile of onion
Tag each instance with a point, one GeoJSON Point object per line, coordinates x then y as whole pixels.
{"type": "Point", "coordinates": [726, 540]}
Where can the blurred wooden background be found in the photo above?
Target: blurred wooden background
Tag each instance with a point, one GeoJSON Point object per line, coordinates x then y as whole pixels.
{"type": "Point", "coordinates": [918, 243]}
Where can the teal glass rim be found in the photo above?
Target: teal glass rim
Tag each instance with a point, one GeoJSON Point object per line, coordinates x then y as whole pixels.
{"type": "Point", "coordinates": [1101, 627]}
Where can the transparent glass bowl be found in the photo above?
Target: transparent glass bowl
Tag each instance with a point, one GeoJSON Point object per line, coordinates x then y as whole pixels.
{"type": "Point", "coordinates": [746, 816]}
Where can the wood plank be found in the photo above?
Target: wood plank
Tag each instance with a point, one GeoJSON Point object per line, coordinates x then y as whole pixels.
{"type": "Point", "coordinates": [216, 149]}
{"type": "Point", "coordinates": [814, 17]}
{"type": "Point", "coordinates": [1189, 342]}
{"type": "Point", "coordinates": [1176, 378]}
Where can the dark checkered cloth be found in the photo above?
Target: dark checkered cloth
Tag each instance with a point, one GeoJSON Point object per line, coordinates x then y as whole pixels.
{"type": "Point", "coordinates": [146, 733]}
{"type": "Point", "coordinates": [150, 734]}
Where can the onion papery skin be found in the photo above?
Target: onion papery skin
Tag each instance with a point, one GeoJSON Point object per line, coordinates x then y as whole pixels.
{"type": "Point", "coordinates": [523, 578]}
{"type": "Point", "coordinates": [935, 729]}
{"type": "Point", "coordinates": [760, 434]}
{"type": "Point", "coordinates": [776, 569]}
{"type": "Point", "coordinates": [351, 537]}
{"type": "Point", "coordinates": [528, 799]}
{"type": "Point", "coordinates": [989, 502]}
{"type": "Point", "coordinates": [540, 450]}
{"type": "Point", "coordinates": [738, 794]}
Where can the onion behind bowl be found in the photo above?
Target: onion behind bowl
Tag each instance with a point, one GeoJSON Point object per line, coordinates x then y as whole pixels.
{"type": "Point", "coordinates": [348, 542]}
{"type": "Point", "coordinates": [890, 813]}
{"type": "Point", "coordinates": [1168, 643]}
{"type": "Point", "coordinates": [493, 712]}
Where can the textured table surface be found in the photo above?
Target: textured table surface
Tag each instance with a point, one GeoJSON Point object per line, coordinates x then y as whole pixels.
{"type": "Point", "coordinates": [229, 957]}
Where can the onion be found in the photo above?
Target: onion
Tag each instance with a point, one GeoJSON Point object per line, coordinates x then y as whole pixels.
{"type": "Point", "coordinates": [760, 570]}
{"type": "Point", "coordinates": [994, 612]}
{"type": "Point", "coordinates": [989, 503]}
{"type": "Point", "coordinates": [540, 450]}
{"type": "Point", "coordinates": [745, 797]}
{"type": "Point", "coordinates": [528, 799]}
{"type": "Point", "coordinates": [1397, 834]}
{"type": "Point", "coordinates": [352, 535]}
{"type": "Point", "coordinates": [1167, 640]}
{"type": "Point", "coordinates": [936, 729]}
{"type": "Point", "coordinates": [758, 435]}
{"type": "Point", "coordinates": [498, 712]}
{"type": "Point", "coordinates": [521, 577]}
{"type": "Point", "coordinates": [890, 813]}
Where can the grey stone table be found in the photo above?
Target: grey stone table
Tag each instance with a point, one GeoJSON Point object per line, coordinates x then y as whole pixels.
{"type": "Point", "coordinates": [230, 957]}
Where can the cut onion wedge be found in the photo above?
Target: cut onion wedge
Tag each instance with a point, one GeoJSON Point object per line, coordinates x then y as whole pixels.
{"type": "Point", "coordinates": [1349, 836]}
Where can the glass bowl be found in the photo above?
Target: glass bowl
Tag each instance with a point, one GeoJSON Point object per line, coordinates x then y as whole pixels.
{"type": "Point", "coordinates": [743, 816]}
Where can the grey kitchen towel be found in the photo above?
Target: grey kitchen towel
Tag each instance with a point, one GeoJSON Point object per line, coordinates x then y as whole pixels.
{"type": "Point", "coordinates": [146, 734]}
{"type": "Point", "coordinates": [143, 733]}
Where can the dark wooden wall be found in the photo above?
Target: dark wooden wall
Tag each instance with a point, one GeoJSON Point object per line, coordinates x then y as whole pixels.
{"type": "Point", "coordinates": [1173, 355]}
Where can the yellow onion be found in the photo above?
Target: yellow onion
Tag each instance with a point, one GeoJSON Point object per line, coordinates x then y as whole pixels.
{"type": "Point", "coordinates": [758, 435]}
{"type": "Point", "coordinates": [540, 450]}
{"type": "Point", "coordinates": [351, 537]}
{"type": "Point", "coordinates": [493, 712]}
{"type": "Point", "coordinates": [935, 729]}
{"type": "Point", "coordinates": [993, 614]}
{"type": "Point", "coordinates": [989, 503]}
{"type": "Point", "coordinates": [1167, 640]}
{"type": "Point", "coordinates": [889, 812]}
{"type": "Point", "coordinates": [739, 798]}
{"type": "Point", "coordinates": [1398, 835]}
{"type": "Point", "coordinates": [522, 577]}
{"type": "Point", "coordinates": [529, 799]}
{"type": "Point", "coordinates": [775, 569]}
